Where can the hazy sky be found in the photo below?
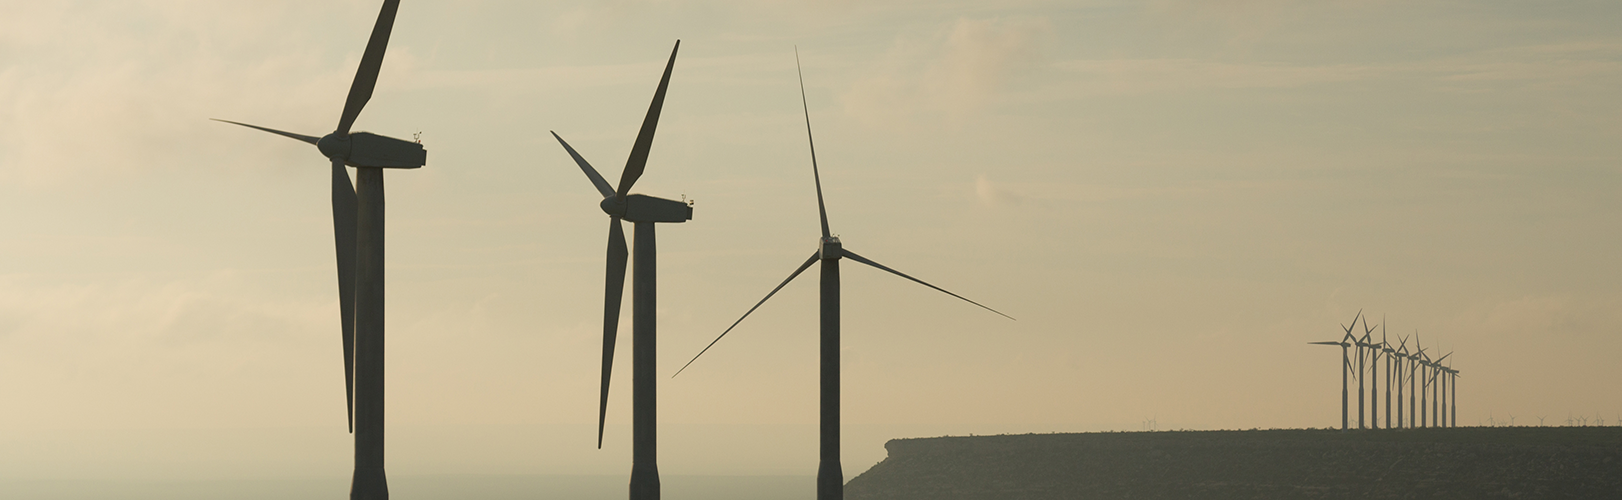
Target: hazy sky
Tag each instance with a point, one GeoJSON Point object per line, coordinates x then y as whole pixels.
{"type": "Point", "coordinates": [1172, 197]}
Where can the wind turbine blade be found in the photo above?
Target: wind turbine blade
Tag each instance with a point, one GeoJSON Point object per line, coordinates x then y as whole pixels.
{"type": "Point", "coordinates": [822, 210]}
{"type": "Point", "coordinates": [613, 292]}
{"type": "Point", "coordinates": [344, 214]}
{"type": "Point", "coordinates": [864, 260]}
{"type": "Point", "coordinates": [370, 63]}
{"type": "Point", "coordinates": [591, 173]}
{"type": "Point", "coordinates": [803, 267]}
{"type": "Point", "coordinates": [302, 137]}
{"type": "Point", "coordinates": [644, 139]}
{"type": "Point", "coordinates": [1325, 343]}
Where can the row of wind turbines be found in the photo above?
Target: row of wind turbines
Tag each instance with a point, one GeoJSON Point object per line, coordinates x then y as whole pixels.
{"type": "Point", "coordinates": [357, 216]}
{"type": "Point", "coordinates": [1431, 387]}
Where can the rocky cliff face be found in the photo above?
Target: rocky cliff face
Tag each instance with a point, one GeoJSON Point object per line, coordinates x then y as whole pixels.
{"type": "Point", "coordinates": [1462, 463]}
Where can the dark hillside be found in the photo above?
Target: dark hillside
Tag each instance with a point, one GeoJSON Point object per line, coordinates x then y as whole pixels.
{"type": "Point", "coordinates": [1462, 463]}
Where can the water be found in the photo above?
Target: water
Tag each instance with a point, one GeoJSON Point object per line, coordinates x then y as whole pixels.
{"type": "Point", "coordinates": [419, 487]}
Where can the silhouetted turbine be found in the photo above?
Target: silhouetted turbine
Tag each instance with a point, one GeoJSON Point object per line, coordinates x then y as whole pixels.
{"type": "Point", "coordinates": [1385, 348]}
{"type": "Point", "coordinates": [1441, 393]}
{"type": "Point", "coordinates": [643, 211]}
{"type": "Point", "coordinates": [830, 475]}
{"type": "Point", "coordinates": [1453, 376]}
{"type": "Point", "coordinates": [1346, 365]}
{"type": "Point", "coordinates": [1403, 377]}
{"type": "Point", "coordinates": [1424, 385]}
{"type": "Point", "coordinates": [1366, 363]}
{"type": "Point", "coordinates": [1438, 419]}
{"type": "Point", "coordinates": [1414, 360]}
{"type": "Point", "coordinates": [357, 223]}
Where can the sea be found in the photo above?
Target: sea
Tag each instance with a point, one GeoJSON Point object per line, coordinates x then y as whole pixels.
{"type": "Point", "coordinates": [420, 487]}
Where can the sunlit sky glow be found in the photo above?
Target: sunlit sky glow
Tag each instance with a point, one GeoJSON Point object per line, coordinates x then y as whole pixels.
{"type": "Point", "coordinates": [1173, 198]}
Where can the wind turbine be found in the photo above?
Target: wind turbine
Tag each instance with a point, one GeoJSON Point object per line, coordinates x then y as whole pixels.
{"type": "Point", "coordinates": [1413, 379]}
{"type": "Point", "coordinates": [643, 211]}
{"type": "Point", "coordinates": [1402, 360]}
{"type": "Point", "coordinates": [1437, 392]}
{"type": "Point", "coordinates": [1385, 347]}
{"type": "Point", "coordinates": [1441, 393]}
{"type": "Point", "coordinates": [1372, 359]}
{"type": "Point", "coordinates": [1346, 364]}
{"type": "Point", "coordinates": [1424, 388]}
{"type": "Point", "coordinates": [1454, 375]}
{"type": "Point", "coordinates": [357, 223]}
{"type": "Point", "coordinates": [1424, 391]}
{"type": "Point", "coordinates": [830, 474]}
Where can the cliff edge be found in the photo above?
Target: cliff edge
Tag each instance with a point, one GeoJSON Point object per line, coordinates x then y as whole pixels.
{"type": "Point", "coordinates": [1462, 463]}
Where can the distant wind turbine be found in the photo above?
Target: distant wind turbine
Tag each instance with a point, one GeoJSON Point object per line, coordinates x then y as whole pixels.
{"type": "Point", "coordinates": [1423, 370]}
{"type": "Point", "coordinates": [1438, 419]}
{"type": "Point", "coordinates": [1385, 348]}
{"type": "Point", "coordinates": [1441, 393]}
{"type": "Point", "coordinates": [1402, 379]}
{"type": "Point", "coordinates": [1453, 375]}
{"type": "Point", "coordinates": [1415, 360]}
{"type": "Point", "coordinates": [643, 211]}
{"type": "Point", "coordinates": [830, 475]}
{"type": "Point", "coordinates": [1370, 360]}
{"type": "Point", "coordinates": [357, 220]}
{"type": "Point", "coordinates": [1345, 365]}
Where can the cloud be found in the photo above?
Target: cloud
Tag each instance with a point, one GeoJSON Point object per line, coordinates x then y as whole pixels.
{"type": "Point", "coordinates": [1556, 319]}
{"type": "Point", "coordinates": [1543, 66]}
{"type": "Point", "coordinates": [123, 88]}
{"type": "Point", "coordinates": [1143, 76]}
{"type": "Point", "coordinates": [139, 312]}
{"type": "Point", "coordinates": [165, 340]}
{"type": "Point", "coordinates": [958, 71]}
{"type": "Point", "coordinates": [992, 195]}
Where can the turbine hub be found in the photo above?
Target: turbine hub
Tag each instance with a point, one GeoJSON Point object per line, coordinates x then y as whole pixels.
{"type": "Point", "coordinates": [334, 146]}
{"type": "Point", "coordinates": [612, 206]}
{"type": "Point", "coordinates": [830, 248]}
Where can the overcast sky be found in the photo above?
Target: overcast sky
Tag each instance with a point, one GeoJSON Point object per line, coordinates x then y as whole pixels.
{"type": "Point", "coordinates": [1171, 197]}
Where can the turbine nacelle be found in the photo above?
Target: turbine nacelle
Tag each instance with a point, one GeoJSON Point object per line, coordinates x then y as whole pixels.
{"type": "Point", "coordinates": [644, 208]}
{"type": "Point", "coordinates": [365, 149]}
{"type": "Point", "coordinates": [829, 248]}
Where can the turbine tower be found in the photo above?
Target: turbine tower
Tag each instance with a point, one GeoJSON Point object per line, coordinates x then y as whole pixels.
{"type": "Point", "coordinates": [1424, 387]}
{"type": "Point", "coordinates": [1438, 419]}
{"type": "Point", "coordinates": [357, 220]}
{"type": "Point", "coordinates": [1345, 365]}
{"type": "Point", "coordinates": [643, 211]}
{"type": "Point", "coordinates": [830, 474]}
{"type": "Point", "coordinates": [1454, 382]}
{"type": "Point", "coordinates": [1413, 380]}
{"type": "Point", "coordinates": [1441, 395]}
{"type": "Point", "coordinates": [1385, 348]}
{"type": "Point", "coordinates": [1402, 379]}
{"type": "Point", "coordinates": [1372, 359]}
